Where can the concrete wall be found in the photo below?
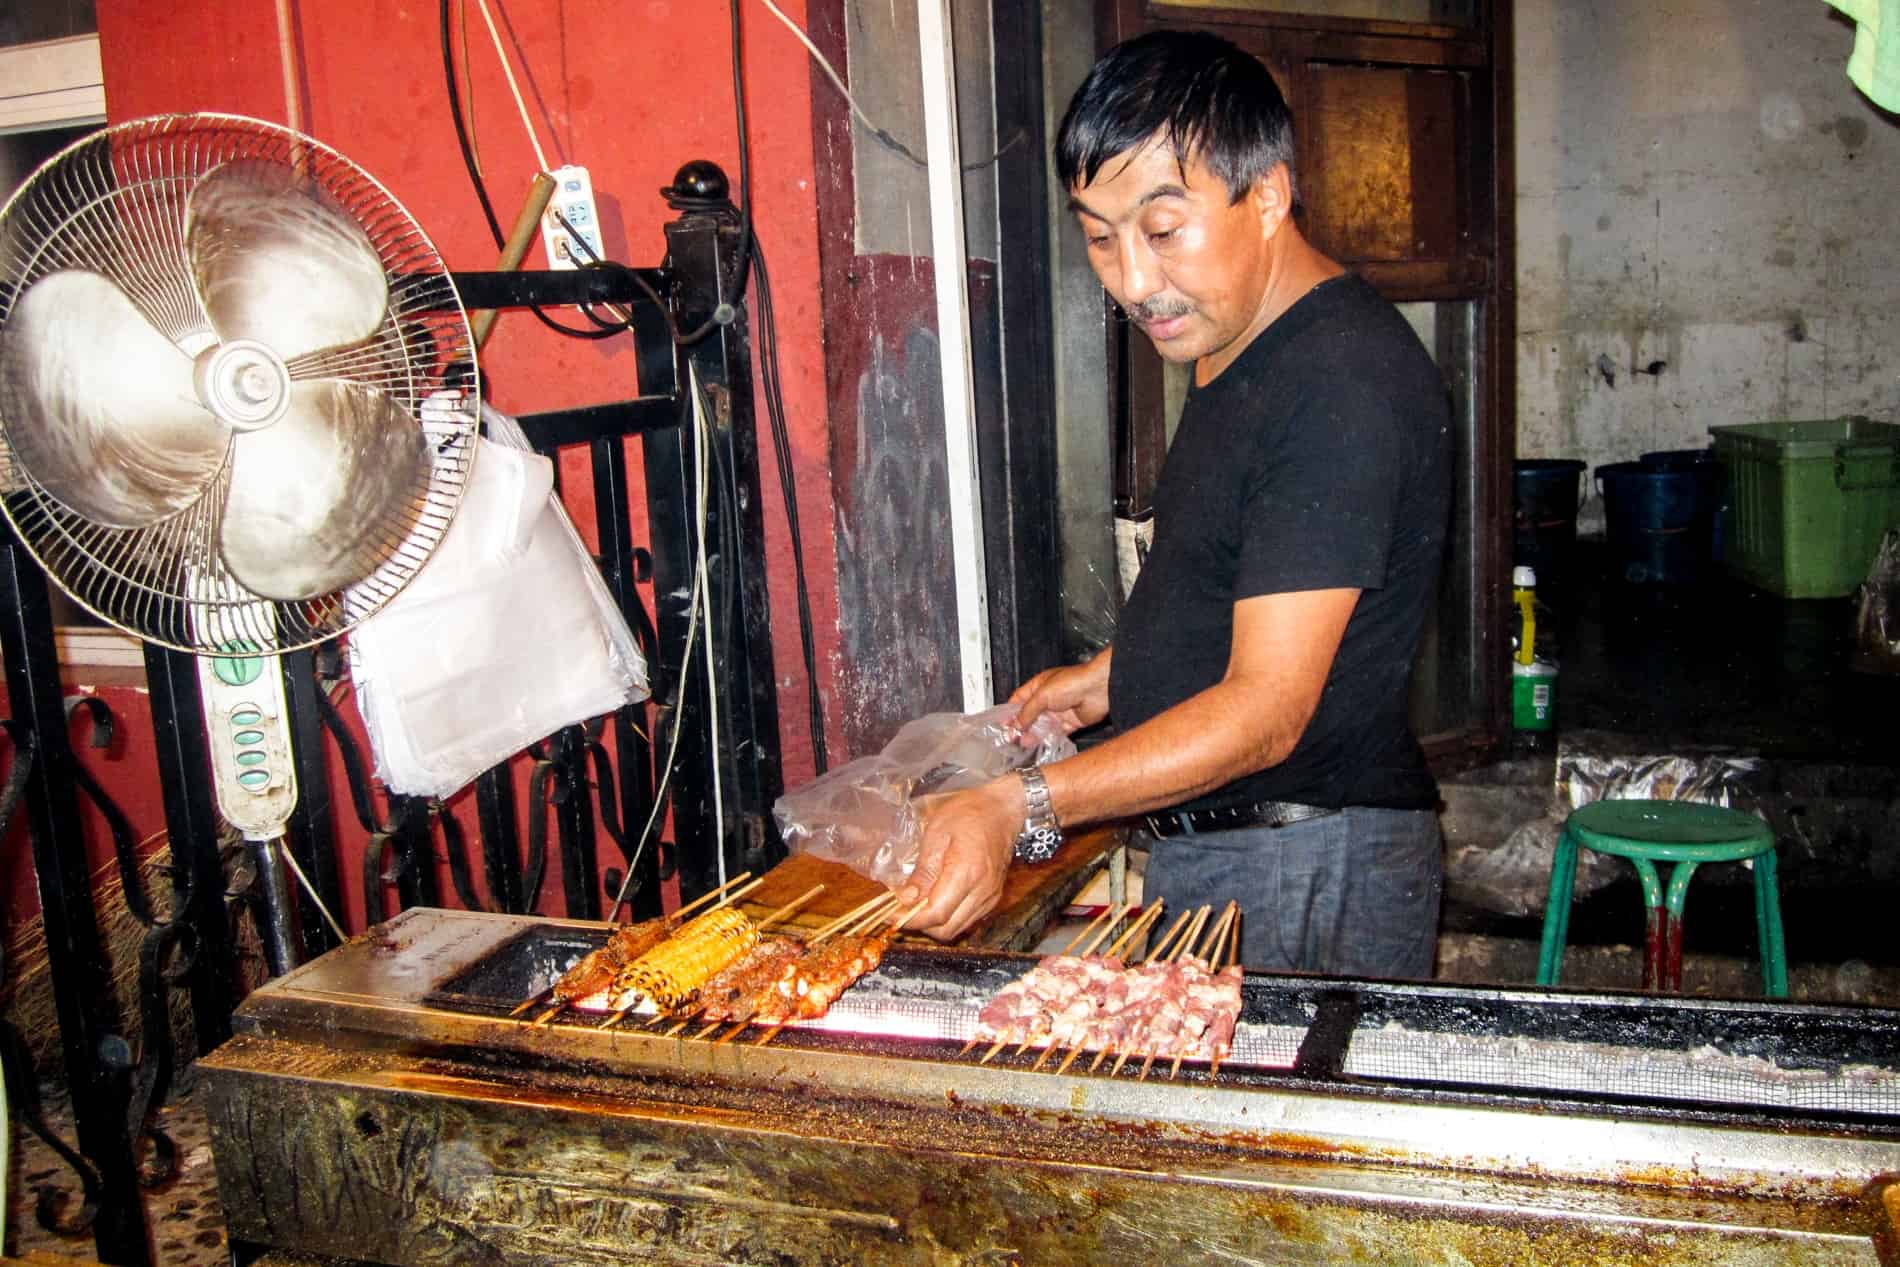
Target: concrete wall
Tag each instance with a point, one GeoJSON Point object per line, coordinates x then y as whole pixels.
{"type": "Point", "coordinates": [1705, 216]}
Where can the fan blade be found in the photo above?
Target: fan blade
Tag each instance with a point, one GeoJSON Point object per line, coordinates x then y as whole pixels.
{"type": "Point", "coordinates": [321, 498]}
{"type": "Point", "coordinates": [99, 406]}
{"type": "Point", "coordinates": [274, 260]}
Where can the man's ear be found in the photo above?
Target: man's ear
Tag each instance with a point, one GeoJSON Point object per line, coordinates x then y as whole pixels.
{"type": "Point", "coordinates": [1272, 199]}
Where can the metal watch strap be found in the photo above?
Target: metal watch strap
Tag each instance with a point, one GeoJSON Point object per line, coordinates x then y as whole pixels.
{"type": "Point", "coordinates": [1042, 834]}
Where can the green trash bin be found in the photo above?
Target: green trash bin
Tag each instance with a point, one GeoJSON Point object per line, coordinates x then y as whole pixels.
{"type": "Point", "coordinates": [1808, 502]}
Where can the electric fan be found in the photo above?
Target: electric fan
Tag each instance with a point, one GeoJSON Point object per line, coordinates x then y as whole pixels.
{"type": "Point", "coordinates": [217, 337]}
{"type": "Point", "coordinates": [237, 406]}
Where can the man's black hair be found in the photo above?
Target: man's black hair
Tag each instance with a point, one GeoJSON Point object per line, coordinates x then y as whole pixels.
{"type": "Point", "coordinates": [1203, 96]}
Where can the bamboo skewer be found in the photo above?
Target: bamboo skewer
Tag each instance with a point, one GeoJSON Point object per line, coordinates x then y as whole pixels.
{"type": "Point", "coordinates": [897, 923]}
{"type": "Point", "coordinates": [1154, 955]}
{"type": "Point", "coordinates": [1090, 948]}
{"type": "Point", "coordinates": [1193, 935]}
{"type": "Point", "coordinates": [783, 912]}
{"type": "Point", "coordinates": [531, 1000]}
{"type": "Point", "coordinates": [1127, 939]}
{"type": "Point", "coordinates": [675, 918]}
{"type": "Point", "coordinates": [1077, 941]}
{"type": "Point", "coordinates": [733, 895]}
{"type": "Point", "coordinates": [717, 896]}
{"type": "Point", "coordinates": [1211, 949]}
{"type": "Point", "coordinates": [1135, 929]}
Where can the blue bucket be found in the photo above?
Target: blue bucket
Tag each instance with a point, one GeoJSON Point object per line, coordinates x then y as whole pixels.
{"type": "Point", "coordinates": [1660, 515]}
{"type": "Point", "coordinates": [1544, 517]}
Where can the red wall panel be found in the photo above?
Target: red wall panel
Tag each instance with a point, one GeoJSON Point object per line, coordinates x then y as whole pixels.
{"type": "Point", "coordinates": [632, 92]}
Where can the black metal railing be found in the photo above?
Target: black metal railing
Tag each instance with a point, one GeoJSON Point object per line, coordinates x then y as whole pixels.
{"type": "Point", "coordinates": [576, 783]}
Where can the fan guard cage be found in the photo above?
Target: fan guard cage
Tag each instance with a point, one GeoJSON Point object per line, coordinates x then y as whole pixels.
{"type": "Point", "coordinates": [114, 203]}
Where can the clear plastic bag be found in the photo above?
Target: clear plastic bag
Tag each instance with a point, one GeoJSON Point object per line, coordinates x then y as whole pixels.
{"type": "Point", "coordinates": [863, 813]}
{"type": "Point", "coordinates": [1877, 627]}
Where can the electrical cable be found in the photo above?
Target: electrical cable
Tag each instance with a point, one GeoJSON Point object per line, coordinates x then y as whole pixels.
{"type": "Point", "coordinates": [702, 442]}
{"type": "Point", "coordinates": [883, 137]}
{"type": "Point", "coordinates": [773, 392]}
{"type": "Point", "coordinates": [481, 187]}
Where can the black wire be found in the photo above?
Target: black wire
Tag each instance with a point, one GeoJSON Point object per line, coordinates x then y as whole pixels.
{"type": "Point", "coordinates": [788, 492]}
{"type": "Point", "coordinates": [481, 188]}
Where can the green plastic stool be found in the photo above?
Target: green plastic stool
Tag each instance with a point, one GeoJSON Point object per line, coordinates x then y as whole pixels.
{"type": "Point", "coordinates": [1687, 834]}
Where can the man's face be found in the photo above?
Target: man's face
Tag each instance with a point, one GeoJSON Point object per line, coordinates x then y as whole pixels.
{"type": "Point", "coordinates": [1186, 262]}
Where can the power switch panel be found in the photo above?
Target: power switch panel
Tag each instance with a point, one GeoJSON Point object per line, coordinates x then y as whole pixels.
{"type": "Point", "coordinates": [573, 201]}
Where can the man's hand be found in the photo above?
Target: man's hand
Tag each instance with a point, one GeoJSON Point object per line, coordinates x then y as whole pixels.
{"type": "Point", "coordinates": [969, 838]}
{"type": "Point", "coordinates": [1076, 695]}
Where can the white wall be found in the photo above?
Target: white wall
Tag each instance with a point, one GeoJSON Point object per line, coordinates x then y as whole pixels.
{"type": "Point", "coordinates": [1701, 189]}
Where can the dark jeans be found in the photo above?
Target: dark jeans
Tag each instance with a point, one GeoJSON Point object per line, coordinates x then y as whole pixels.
{"type": "Point", "coordinates": [1351, 894]}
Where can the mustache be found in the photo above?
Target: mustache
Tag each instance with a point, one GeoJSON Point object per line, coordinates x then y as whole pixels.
{"type": "Point", "coordinates": [1158, 309]}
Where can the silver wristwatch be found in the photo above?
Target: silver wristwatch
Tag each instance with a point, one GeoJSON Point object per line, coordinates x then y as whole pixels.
{"type": "Point", "coordinates": [1042, 834]}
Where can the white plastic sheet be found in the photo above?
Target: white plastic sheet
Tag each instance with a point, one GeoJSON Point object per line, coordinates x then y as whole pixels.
{"type": "Point", "coordinates": [863, 814]}
{"type": "Point", "coordinates": [507, 633]}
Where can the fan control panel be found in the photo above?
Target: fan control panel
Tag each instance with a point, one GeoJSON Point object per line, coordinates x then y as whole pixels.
{"type": "Point", "coordinates": [572, 202]}
{"type": "Point", "coordinates": [247, 723]}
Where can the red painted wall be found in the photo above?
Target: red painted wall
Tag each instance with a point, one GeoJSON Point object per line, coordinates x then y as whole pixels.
{"type": "Point", "coordinates": [631, 91]}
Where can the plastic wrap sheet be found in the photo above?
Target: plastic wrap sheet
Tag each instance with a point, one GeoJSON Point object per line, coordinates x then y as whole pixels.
{"type": "Point", "coordinates": [1601, 766]}
{"type": "Point", "coordinates": [863, 813]}
{"type": "Point", "coordinates": [1877, 625]}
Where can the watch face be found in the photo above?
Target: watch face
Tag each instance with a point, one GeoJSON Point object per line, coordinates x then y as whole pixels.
{"type": "Point", "coordinates": [1038, 844]}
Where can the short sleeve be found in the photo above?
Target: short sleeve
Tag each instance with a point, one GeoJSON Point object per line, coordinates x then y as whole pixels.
{"type": "Point", "coordinates": [1320, 500]}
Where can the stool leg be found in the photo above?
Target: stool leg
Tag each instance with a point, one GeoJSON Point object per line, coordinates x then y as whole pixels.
{"type": "Point", "coordinates": [1774, 951]}
{"type": "Point", "coordinates": [1678, 894]}
{"type": "Point", "coordinates": [1656, 926]}
{"type": "Point", "coordinates": [1563, 870]}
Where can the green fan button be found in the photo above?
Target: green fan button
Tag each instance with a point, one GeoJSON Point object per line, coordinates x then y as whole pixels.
{"type": "Point", "coordinates": [255, 780]}
{"type": "Point", "coordinates": [238, 669]}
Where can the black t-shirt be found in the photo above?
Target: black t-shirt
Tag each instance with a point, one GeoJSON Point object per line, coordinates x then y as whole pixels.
{"type": "Point", "coordinates": [1319, 459]}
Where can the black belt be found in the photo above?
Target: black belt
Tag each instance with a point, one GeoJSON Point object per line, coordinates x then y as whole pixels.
{"type": "Point", "coordinates": [1258, 814]}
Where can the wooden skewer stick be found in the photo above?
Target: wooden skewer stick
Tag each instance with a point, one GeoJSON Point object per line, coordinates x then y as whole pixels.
{"type": "Point", "coordinates": [1231, 953]}
{"type": "Point", "coordinates": [1193, 933]}
{"type": "Point", "coordinates": [1135, 930]}
{"type": "Point", "coordinates": [856, 912]}
{"type": "Point", "coordinates": [527, 1003]}
{"type": "Point", "coordinates": [1070, 1059]}
{"type": "Point", "coordinates": [738, 1028]}
{"type": "Point", "coordinates": [675, 918]}
{"type": "Point", "coordinates": [733, 895]}
{"type": "Point", "coordinates": [882, 910]}
{"type": "Point", "coordinates": [1210, 949]}
{"type": "Point", "coordinates": [769, 1035]}
{"type": "Point", "coordinates": [1089, 947]}
{"type": "Point", "coordinates": [791, 907]}
{"type": "Point", "coordinates": [549, 1015]}
{"type": "Point", "coordinates": [1106, 912]}
{"type": "Point", "coordinates": [714, 895]}
{"type": "Point", "coordinates": [909, 915]}
{"type": "Point", "coordinates": [1161, 947]}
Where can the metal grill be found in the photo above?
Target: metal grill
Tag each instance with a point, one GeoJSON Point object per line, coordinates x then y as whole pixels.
{"type": "Point", "coordinates": [1703, 1075]}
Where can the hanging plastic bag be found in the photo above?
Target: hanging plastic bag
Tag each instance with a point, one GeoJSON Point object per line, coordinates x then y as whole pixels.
{"type": "Point", "coordinates": [507, 634]}
{"type": "Point", "coordinates": [863, 814]}
{"type": "Point", "coordinates": [1877, 629]}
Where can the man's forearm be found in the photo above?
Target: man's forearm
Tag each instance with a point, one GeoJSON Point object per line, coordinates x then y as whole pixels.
{"type": "Point", "coordinates": [1205, 742]}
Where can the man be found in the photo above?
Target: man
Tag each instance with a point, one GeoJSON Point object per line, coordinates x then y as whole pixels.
{"type": "Point", "coordinates": [1258, 681]}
